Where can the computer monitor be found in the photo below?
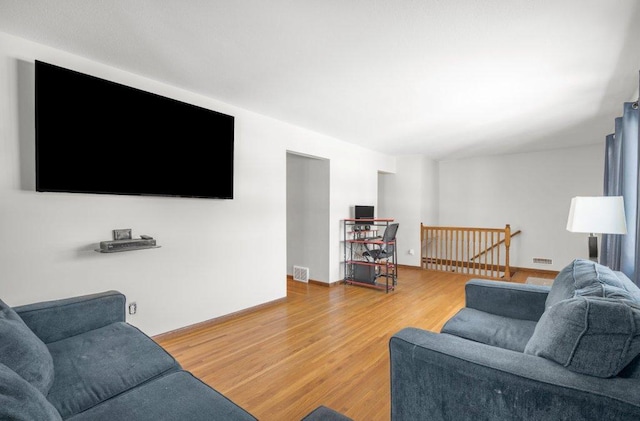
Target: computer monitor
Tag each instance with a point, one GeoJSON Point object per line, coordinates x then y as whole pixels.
{"type": "Point", "coordinates": [364, 212]}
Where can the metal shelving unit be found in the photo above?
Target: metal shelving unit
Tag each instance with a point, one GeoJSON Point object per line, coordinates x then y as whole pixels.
{"type": "Point", "coordinates": [361, 236]}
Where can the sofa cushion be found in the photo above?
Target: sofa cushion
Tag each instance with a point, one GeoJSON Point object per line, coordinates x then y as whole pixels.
{"type": "Point", "coordinates": [588, 278]}
{"type": "Point", "coordinates": [628, 285]}
{"type": "Point", "coordinates": [99, 364]}
{"type": "Point", "coordinates": [589, 335]}
{"type": "Point", "coordinates": [21, 401]}
{"type": "Point", "coordinates": [490, 329]}
{"type": "Point", "coordinates": [58, 319]}
{"type": "Point", "coordinates": [604, 283]}
{"type": "Point", "coordinates": [563, 286]}
{"type": "Point", "coordinates": [176, 396]}
{"type": "Point", "coordinates": [632, 370]}
{"type": "Point", "coordinates": [23, 352]}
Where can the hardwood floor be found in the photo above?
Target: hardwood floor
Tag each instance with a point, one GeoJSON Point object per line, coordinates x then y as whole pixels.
{"type": "Point", "coordinates": [320, 346]}
{"type": "Point", "coordinates": [522, 274]}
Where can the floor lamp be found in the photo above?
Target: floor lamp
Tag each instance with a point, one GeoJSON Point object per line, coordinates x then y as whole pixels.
{"type": "Point", "coordinates": [599, 214]}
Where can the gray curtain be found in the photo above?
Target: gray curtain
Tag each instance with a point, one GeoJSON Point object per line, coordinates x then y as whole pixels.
{"type": "Point", "coordinates": [629, 247]}
{"type": "Point", "coordinates": [622, 252]}
{"type": "Point", "coordinates": [611, 243]}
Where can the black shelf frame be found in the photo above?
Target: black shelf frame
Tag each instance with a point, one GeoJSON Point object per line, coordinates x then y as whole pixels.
{"type": "Point", "coordinates": [358, 240]}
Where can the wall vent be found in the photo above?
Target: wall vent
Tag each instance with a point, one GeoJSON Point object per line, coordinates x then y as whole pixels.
{"type": "Point", "coordinates": [300, 274]}
{"type": "Point", "coordinates": [542, 261]}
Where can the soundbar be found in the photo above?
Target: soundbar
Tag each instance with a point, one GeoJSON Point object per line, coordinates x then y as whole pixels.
{"type": "Point", "coordinates": [121, 245]}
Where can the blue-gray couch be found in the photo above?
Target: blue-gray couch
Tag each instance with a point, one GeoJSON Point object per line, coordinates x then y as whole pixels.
{"type": "Point", "coordinates": [76, 359]}
{"type": "Point", "coordinates": [527, 352]}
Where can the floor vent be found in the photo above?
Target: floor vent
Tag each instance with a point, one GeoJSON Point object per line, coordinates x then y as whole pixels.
{"type": "Point", "coordinates": [542, 261]}
{"type": "Point", "coordinates": [300, 274]}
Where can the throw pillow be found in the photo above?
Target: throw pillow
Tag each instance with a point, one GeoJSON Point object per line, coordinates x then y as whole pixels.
{"type": "Point", "coordinates": [563, 286]}
{"type": "Point", "coordinates": [589, 335]}
{"type": "Point", "coordinates": [628, 285]}
{"type": "Point", "coordinates": [23, 352]}
{"type": "Point", "coordinates": [595, 280]}
{"type": "Point", "coordinates": [20, 401]}
{"type": "Point", "coordinates": [588, 278]}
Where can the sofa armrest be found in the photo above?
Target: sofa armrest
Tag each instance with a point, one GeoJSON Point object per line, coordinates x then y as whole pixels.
{"type": "Point", "coordinates": [508, 299]}
{"type": "Point", "coordinates": [55, 320]}
{"type": "Point", "coordinates": [443, 377]}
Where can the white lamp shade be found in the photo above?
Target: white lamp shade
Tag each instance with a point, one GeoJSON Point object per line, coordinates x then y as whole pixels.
{"type": "Point", "coordinates": [600, 214]}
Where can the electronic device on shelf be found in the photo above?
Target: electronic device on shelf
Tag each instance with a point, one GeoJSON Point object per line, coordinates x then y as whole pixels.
{"type": "Point", "coordinates": [98, 136]}
{"type": "Point", "coordinates": [363, 212]}
{"type": "Point", "coordinates": [363, 273]}
{"type": "Point", "coordinates": [122, 245]}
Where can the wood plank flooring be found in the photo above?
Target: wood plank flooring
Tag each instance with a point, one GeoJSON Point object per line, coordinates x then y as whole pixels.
{"type": "Point", "coordinates": [320, 346]}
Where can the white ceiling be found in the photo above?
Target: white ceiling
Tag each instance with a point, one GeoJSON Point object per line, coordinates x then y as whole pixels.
{"type": "Point", "coordinates": [444, 78]}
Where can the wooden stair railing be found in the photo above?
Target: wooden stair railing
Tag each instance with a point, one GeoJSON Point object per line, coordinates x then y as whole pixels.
{"type": "Point", "coordinates": [495, 245]}
{"type": "Point", "coordinates": [477, 251]}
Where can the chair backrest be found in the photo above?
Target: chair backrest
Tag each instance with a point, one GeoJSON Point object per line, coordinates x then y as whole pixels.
{"type": "Point", "coordinates": [388, 236]}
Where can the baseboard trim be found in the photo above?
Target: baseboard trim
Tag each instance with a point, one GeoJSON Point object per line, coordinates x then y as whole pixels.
{"type": "Point", "coordinates": [341, 281]}
{"type": "Point", "coordinates": [545, 271]}
{"type": "Point", "coordinates": [211, 322]}
{"type": "Point", "coordinates": [323, 284]}
{"type": "Point", "coordinates": [326, 284]}
{"type": "Point", "coordinates": [513, 272]}
{"type": "Point", "coordinates": [409, 266]}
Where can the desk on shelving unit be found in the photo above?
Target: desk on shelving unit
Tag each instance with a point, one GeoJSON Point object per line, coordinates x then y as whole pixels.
{"type": "Point", "coordinates": [361, 235]}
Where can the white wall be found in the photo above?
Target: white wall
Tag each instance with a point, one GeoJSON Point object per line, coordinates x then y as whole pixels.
{"type": "Point", "coordinates": [208, 265]}
{"type": "Point", "coordinates": [308, 215]}
{"type": "Point", "coordinates": [530, 191]}
{"type": "Point", "coordinates": [410, 196]}
{"type": "Point", "coordinates": [430, 192]}
{"type": "Point", "coordinates": [353, 180]}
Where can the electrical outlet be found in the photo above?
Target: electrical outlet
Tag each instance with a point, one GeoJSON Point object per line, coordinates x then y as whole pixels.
{"type": "Point", "coordinates": [412, 252]}
{"type": "Point", "coordinates": [133, 308]}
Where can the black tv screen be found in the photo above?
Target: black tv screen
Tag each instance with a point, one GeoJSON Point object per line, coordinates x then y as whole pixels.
{"type": "Point", "coordinates": [97, 136]}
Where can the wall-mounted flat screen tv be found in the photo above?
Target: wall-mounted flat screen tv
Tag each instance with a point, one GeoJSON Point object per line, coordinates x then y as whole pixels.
{"type": "Point", "coordinates": [98, 136]}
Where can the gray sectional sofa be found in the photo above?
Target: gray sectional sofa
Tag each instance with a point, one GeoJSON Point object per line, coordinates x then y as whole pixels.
{"type": "Point", "coordinates": [76, 359]}
{"type": "Point", "coordinates": [527, 352]}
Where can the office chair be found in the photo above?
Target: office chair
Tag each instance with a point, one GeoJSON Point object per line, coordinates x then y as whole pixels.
{"type": "Point", "coordinates": [388, 246]}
